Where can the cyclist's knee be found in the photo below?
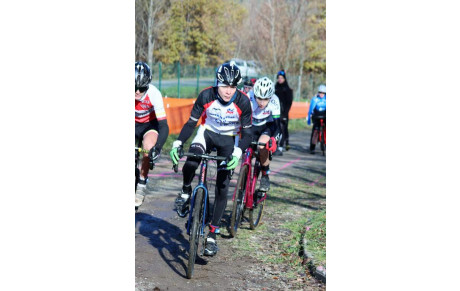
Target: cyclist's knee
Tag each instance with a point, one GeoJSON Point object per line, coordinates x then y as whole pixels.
{"type": "Point", "coordinates": [147, 145]}
{"type": "Point", "coordinates": [150, 139]}
{"type": "Point", "coordinates": [197, 148]}
{"type": "Point", "coordinates": [193, 163]}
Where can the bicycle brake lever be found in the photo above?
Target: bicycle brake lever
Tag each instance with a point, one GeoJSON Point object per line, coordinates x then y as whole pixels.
{"type": "Point", "coordinates": [180, 152]}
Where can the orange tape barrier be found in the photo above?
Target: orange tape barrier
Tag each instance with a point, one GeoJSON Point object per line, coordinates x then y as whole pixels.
{"type": "Point", "coordinates": [178, 112]}
{"type": "Point", "coordinates": [299, 110]}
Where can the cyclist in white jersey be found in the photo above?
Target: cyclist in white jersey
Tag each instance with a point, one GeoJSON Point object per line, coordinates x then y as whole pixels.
{"type": "Point", "coordinates": [225, 112]}
{"type": "Point", "coordinates": [265, 123]}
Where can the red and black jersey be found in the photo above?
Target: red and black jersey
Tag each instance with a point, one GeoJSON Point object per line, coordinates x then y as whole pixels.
{"type": "Point", "coordinates": [150, 107]}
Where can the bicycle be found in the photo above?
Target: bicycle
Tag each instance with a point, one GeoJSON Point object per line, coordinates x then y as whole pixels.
{"type": "Point", "coordinates": [199, 209]}
{"type": "Point", "coordinates": [246, 196]}
{"type": "Point", "coordinates": [320, 135]}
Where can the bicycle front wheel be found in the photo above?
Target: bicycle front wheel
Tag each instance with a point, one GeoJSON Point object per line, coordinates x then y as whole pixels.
{"type": "Point", "coordinates": [197, 222]}
{"type": "Point", "coordinates": [255, 214]}
{"type": "Point", "coordinates": [238, 203]}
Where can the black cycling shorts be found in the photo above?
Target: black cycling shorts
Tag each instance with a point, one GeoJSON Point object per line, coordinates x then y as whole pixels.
{"type": "Point", "coordinates": [319, 114]}
{"type": "Point", "coordinates": [257, 131]}
{"type": "Point", "coordinates": [143, 128]}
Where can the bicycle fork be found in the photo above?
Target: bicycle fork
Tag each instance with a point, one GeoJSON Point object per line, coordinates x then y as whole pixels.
{"type": "Point", "coordinates": [201, 185]}
{"type": "Point", "coordinates": [205, 209]}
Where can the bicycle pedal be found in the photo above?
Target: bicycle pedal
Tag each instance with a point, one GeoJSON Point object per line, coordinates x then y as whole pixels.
{"type": "Point", "coordinates": [261, 194]}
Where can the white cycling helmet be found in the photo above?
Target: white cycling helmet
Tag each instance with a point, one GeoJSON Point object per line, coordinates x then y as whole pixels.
{"type": "Point", "coordinates": [264, 88]}
{"type": "Point", "coordinates": [322, 89]}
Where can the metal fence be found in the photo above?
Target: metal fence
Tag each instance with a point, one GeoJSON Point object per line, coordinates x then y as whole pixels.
{"type": "Point", "coordinates": [186, 81]}
{"type": "Point", "coordinates": [309, 85]}
{"type": "Point", "coordinates": [182, 81]}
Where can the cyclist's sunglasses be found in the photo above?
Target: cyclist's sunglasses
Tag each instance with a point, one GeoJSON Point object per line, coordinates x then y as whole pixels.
{"type": "Point", "coordinates": [142, 89]}
{"type": "Point", "coordinates": [281, 73]}
{"type": "Point", "coordinates": [261, 99]}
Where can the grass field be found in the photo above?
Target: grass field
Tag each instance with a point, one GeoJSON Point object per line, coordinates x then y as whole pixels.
{"type": "Point", "coordinates": [298, 124]}
{"type": "Point", "coordinates": [315, 233]}
{"type": "Point", "coordinates": [278, 240]}
{"type": "Point", "coordinates": [185, 92]}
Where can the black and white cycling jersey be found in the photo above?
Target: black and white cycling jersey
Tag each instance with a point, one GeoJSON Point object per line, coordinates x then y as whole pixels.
{"type": "Point", "coordinates": [231, 119]}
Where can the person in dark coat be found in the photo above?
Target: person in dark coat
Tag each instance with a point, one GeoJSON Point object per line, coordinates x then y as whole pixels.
{"type": "Point", "coordinates": [284, 93]}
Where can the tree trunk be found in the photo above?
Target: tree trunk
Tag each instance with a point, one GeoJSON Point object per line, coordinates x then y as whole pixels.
{"type": "Point", "coordinates": [299, 85]}
{"type": "Point", "coordinates": [272, 34]}
{"type": "Point", "coordinates": [151, 41]}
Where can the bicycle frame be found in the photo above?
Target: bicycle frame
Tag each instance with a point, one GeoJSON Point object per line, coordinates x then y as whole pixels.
{"type": "Point", "coordinates": [251, 179]}
{"type": "Point", "coordinates": [201, 184]}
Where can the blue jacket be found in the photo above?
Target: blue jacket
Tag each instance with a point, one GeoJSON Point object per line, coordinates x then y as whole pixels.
{"type": "Point", "coordinates": [317, 104]}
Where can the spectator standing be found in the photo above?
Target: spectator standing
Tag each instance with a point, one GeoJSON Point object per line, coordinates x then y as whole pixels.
{"type": "Point", "coordinates": [284, 93]}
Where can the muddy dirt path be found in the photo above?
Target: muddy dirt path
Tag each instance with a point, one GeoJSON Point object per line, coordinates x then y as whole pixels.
{"type": "Point", "coordinates": [162, 242]}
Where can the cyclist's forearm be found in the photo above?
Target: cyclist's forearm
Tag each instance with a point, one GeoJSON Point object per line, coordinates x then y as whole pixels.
{"type": "Point", "coordinates": [163, 131]}
{"type": "Point", "coordinates": [246, 138]}
{"type": "Point", "coordinates": [276, 128]}
{"type": "Point", "coordinates": [187, 130]}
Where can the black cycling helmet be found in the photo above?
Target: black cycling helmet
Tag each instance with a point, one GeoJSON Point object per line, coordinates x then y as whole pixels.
{"type": "Point", "coordinates": [143, 75]}
{"type": "Point", "coordinates": [229, 74]}
{"type": "Point", "coordinates": [248, 82]}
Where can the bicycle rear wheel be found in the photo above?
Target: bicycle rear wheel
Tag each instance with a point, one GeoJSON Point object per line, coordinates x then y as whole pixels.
{"type": "Point", "coordinates": [197, 220]}
{"type": "Point", "coordinates": [238, 203]}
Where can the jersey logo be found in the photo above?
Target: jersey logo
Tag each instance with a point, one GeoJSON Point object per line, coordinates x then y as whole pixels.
{"type": "Point", "coordinates": [229, 111]}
